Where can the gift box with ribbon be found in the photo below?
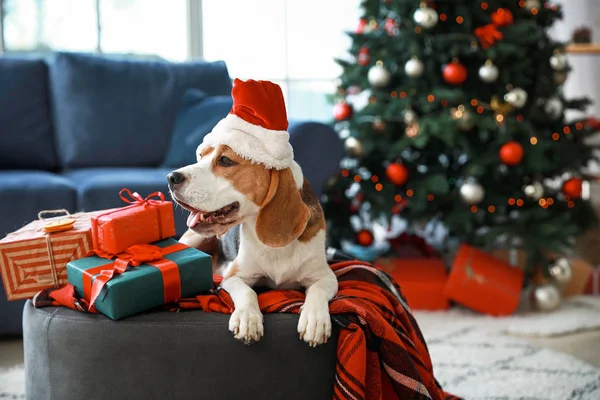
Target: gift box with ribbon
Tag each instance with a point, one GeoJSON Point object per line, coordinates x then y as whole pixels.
{"type": "Point", "coordinates": [142, 277]}
{"type": "Point", "coordinates": [484, 283]}
{"type": "Point", "coordinates": [593, 283]}
{"type": "Point", "coordinates": [422, 281]}
{"type": "Point", "coordinates": [35, 257]}
{"type": "Point", "coordinates": [144, 220]}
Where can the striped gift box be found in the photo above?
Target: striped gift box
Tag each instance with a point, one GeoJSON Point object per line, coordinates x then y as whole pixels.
{"type": "Point", "coordinates": [32, 260]}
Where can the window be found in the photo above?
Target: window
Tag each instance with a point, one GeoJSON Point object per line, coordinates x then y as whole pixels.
{"type": "Point", "coordinates": [143, 28]}
{"type": "Point", "coordinates": [291, 42]}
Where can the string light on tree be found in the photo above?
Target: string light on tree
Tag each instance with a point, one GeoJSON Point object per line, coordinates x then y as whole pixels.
{"type": "Point", "coordinates": [426, 17]}
{"type": "Point", "coordinates": [378, 75]}
{"type": "Point", "coordinates": [511, 153]}
{"type": "Point", "coordinates": [414, 67]}
{"type": "Point", "coordinates": [517, 97]}
{"type": "Point", "coordinates": [463, 117]}
{"type": "Point", "coordinates": [471, 192]}
{"type": "Point", "coordinates": [488, 72]}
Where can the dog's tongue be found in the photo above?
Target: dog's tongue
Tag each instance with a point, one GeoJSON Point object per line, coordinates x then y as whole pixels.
{"type": "Point", "coordinates": [194, 218]}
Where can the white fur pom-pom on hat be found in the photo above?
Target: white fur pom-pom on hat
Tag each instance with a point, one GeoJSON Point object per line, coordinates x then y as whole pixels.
{"type": "Point", "coordinates": [256, 127]}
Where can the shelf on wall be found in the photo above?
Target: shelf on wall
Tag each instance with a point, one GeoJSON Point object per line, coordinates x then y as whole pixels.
{"type": "Point", "coordinates": [583, 48]}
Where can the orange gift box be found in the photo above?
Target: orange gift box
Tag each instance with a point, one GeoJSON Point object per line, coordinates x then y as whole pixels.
{"type": "Point", "coordinates": [145, 220]}
{"type": "Point", "coordinates": [35, 257]}
{"type": "Point", "coordinates": [422, 281]}
{"type": "Point", "coordinates": [484, 283]}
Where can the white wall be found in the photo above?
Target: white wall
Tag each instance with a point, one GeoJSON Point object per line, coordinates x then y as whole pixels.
{"type": "Point", "coordinates": [584, 78]}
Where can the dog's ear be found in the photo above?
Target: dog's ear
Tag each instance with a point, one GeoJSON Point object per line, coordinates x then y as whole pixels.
{"type": "Point", "coordinates": [283, 215]}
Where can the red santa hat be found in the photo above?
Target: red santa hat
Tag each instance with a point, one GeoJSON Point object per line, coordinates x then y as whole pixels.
{"type": "Point", "coordinates": [256, 127]}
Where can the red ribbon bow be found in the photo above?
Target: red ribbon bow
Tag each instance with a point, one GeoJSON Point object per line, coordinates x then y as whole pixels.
{"type": "Point", "coordinates": [136, 199]}
{"type": "Point", "coordinates": [487, 35]}
{"type": "Point", "coordinates": [134, 256]}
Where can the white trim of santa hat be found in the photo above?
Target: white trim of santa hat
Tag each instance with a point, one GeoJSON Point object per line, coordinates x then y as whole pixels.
{"type": "Point", "coordinates": [256, 127]}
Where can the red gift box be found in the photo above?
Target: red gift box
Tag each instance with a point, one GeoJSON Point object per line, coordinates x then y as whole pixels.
{"type": "Point", "coordinates": [484, 283]}
{"type": "Point", "coordinates": [593, 283]}
{"type": "Point", "coordinates": [422, 281]}
{"type": "Point", "coordinates": [145, 220]}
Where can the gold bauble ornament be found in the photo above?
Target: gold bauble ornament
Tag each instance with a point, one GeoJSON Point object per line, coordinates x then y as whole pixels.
{"type": "Point", "coordinates": [463, 117]}
{"type": "Point", "coordinates": [560, 77]}
{"type": "Point", "coordinates": [353, 146]}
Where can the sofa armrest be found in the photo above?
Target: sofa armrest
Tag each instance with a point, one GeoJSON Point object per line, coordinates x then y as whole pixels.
{"type": "Point", "coordinates": [318, 150]}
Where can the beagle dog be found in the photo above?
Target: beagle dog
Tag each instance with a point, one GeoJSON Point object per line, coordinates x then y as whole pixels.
{"type": "Point", "coordinates": [271, 232]}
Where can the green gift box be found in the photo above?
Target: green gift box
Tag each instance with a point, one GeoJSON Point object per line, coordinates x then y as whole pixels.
{"type": "Point", "coordinates": [144, 277]}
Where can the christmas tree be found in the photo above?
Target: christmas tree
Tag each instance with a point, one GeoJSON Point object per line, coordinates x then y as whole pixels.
{"type": "Point", "coordinates": [464, 124]}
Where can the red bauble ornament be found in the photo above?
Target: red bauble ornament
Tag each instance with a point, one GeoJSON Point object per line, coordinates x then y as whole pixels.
{"type": "Point", "coordinates": [363, 58]}
{"type": "Point", "coordinates": [365, 237]}
{"type": "Point", "coordinates": [397, 173]}
{"type": "Point", "coordinates": [342, 111]}
{"type": "Point", "coordinates": [362, 23]}
{"type": "Point", "coordinates": [455, 73]}
{"type": "Point", "coordinates": [511, 153]}
{"type": "Point", "coordinates": [573, 188]}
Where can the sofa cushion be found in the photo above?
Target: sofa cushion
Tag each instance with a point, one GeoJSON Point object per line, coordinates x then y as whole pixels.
{"type": "Point", "coordinates": [111, 112]}
{"type": "Point", "coordinates": [98, 188]}
{"type": "Point", "coordinates": [26, 138]}
{"type": "Point", "coordinates": [198, 116]}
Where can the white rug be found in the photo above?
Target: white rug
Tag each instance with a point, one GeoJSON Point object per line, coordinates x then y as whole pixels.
{"type": "Point", "coordinates": [12, 383]}
{"type": "Point", "coordinates": [474, 358]}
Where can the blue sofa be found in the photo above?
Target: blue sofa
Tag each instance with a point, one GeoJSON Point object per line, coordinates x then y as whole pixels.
{"type": "Point", "coordinates": [76, 128]}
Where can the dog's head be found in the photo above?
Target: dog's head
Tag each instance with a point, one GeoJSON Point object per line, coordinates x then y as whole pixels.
{"type": "Point", "coordinates": [224, 189]}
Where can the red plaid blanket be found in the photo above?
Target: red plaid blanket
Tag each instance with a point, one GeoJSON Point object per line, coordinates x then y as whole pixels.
{"type": "Point", "coordinates": [381, 353]}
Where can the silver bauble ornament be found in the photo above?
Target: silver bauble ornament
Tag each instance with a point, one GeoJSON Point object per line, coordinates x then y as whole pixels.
{"type": "Point", "coordinates": [426, 17]}
{"type": "Point", "coordinates": [553, 107]}
{"type": "Point", "coordinates": [353, 146]}
{"type": "Point", "coordinates": [560, 77]}
{"type": "Point", "coordinates": [560, 270]}
{"type": "Point", "coordinates": [516, 97]}
{"type": "Point", "coordinates": [559, 62]}
{"type": "Point", "coordinates": [472, 192]}
{"type": "Point", "coordinates": [488, 72]}
{"type": "Point", "coordinates": [410, 117]}
{"type": "Point", "coordinates": [534, 190]}
{"type": "Point", "coordinates": [545, 297]}
{"type": "Point", "coordinates": [414, 67]}
{"type": "Point", "coordinates": [378, 75]}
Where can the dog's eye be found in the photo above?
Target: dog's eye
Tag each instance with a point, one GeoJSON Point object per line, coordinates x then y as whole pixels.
{"type": "Point", "coordinates": [225, 161]}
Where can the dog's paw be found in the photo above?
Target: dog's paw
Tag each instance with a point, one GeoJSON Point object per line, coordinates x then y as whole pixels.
{"type": "Point", "coordinates": [247, 324]}
{"type": "Point", "coordinates": [314, 326]}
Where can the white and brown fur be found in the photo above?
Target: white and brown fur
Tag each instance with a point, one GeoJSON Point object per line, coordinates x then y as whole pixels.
{"type": "Point", "coordinates": [276, 238]}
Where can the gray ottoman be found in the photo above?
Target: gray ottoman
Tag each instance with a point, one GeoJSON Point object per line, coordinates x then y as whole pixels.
{"type": "Point", "coordinates": [163, 355]}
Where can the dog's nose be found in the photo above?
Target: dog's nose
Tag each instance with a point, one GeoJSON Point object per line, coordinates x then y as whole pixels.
{"type": "Point", "coordinates": [175, 178]}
